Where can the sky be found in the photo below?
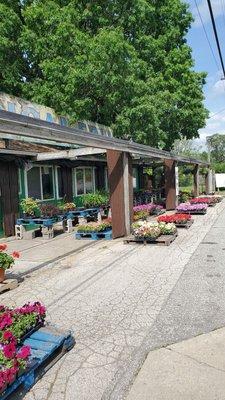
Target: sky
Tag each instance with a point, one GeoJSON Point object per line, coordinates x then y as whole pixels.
{"type": "Point", "coordinates": [214, 89]}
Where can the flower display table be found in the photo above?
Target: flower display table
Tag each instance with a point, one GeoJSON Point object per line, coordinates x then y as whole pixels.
{"type": "Point", "coordinates": [27, 227]}
{"type": "Point", "coordinates": [85, 213]}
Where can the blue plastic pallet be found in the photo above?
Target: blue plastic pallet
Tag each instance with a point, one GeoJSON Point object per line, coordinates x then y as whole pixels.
{"type": "Point", "coordinates": [48, 345]}
{"type": "Point", "coordinates": [89, 212]}
{"type": "Point", "coordinates": [94, 235]}
{"type": "Point", "coordinates": [39, 221]}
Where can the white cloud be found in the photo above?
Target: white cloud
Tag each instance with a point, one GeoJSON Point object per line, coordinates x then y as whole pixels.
{"type": "Point", "coordinates": [218, 88]}
{"type": "Point", "coordinates": [204, 11]}
{"type": "Point", "coordinates": [215, 124]}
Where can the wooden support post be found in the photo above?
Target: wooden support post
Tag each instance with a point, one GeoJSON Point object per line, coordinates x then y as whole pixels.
{"type": "Point", "coordinates": [196, 180]}
{"type": "Point", "coordinates": [121, 191]}
{"type": "Point", "coordinates": [209, 182]}
{"type": "Point", "coordinates": [141, 181]}
{"type": "Point", "coordinates": [170, 184]}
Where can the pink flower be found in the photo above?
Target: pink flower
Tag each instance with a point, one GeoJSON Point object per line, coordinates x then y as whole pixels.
{"type": "Point", "coordinates": [3, 247]}
{"type": "Point", "coordinates": [7, 335]}
{"type": "Point", "coordinates": [24, 352]}
{"type": "Point", "coordinates": [9, 350]}
{"type": "Point", "coordinates": [5, 320]}
{"type": "Point", "coordinates": [16, 254]}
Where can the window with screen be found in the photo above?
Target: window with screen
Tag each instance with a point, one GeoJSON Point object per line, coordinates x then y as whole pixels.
{"type": "Point", "coordinates": [34, 183]}
{"type": "Point", "coordinates": [47, 182]}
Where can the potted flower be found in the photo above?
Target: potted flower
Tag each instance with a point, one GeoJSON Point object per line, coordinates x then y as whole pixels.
{"type": "Point", "coordinates": [192, 208]}
{"type": "Point", "coordinates": [30, 208]}
{"type": "Point", "coordinates": [6, 260]}
{"type": "Point", "coordinates": [95, 227]}
{"type": "Point", "coordinates": [143, 215]}
{"type": "Point", "coordinates": [167, 228]}
{"type": "Point", "coordinates": [13, 360]}
{"type": "Point", "coordinates": [69, 207]}
{"type": "Point", "coordinates": [146, 230]}
{"type": "Point", "coordinates": [21, 321]}
{"type": "Point", "coordinates": [178, 219]}
{"type": "Point", "coordinates": [49, 211]}
{"type": "Point", "coordinates": [95, 200]}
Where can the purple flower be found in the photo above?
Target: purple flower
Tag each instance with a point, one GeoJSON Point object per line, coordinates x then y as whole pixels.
{"type": "Point", "coordinates": [191, 207]}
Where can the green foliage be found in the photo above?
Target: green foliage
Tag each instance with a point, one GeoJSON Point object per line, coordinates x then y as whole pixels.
{"type": "Point", "coordinates": [6, 261]}
{"type": "Point", "coordinates": [125, 64]}
{"type": "Point", "coordinates": [95, 227]}
{"type": "Point", "coordinates": [185, 196]}
{"type": "Point", "coordinates": [23, 324]}
{"type": "Point", "coordinates": [94, 199]}
{"type": "Point", "coordinates": [219, 168]}
{"type": "Point", "coordinates": [30, 207]}
{"type": "Point", "coordinates": [216, 144]}
{"type": "Point", "coordinates": [140, 215]}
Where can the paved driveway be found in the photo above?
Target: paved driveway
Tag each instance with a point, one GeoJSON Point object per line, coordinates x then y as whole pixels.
{"type": "Point", "coordinates": [112, 296]}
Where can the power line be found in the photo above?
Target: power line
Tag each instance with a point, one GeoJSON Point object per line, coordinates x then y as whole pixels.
{"type": "Point", "coordinates": [200, 17]}
{"type": "Point", "coordinates": [223, 9]}
{"type": "Point", "coordinates": [216, 35]}
{"type": "Point", "coordinates": [218, 112]}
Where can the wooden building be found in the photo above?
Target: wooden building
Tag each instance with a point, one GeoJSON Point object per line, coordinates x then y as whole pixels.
{"type": "Point", "coordinates": [47, 160]}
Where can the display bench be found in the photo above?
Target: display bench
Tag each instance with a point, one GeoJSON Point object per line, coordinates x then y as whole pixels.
{"type": "Point", "coordinates": [29, 228]}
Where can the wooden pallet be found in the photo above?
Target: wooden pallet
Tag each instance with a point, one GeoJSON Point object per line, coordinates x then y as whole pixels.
{"type": "Point", "coordinates": [48, 345]}
{"type": "Point", "coordinates": [8, 284]}
{"type": "Point", "coordinates": [163, 240]}
{"type": "Point", "coordinates": [94, 235]}
{"type": "Point", "coordinates": [187, 225]}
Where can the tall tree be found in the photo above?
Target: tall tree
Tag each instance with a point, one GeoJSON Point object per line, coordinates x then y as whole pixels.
{"type": "Point", "coordinates": [216, 145]}
{"type": "Point", "coordinates": [121, 63]}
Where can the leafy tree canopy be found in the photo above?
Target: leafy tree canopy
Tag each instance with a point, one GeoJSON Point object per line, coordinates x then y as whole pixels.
{"type": "Point", "coordinates": [216, 145]}
{"type": "Point", "coordinates": [121, 63]}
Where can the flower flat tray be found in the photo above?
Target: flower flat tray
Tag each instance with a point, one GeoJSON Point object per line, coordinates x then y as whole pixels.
{"type": "Point", "coordinates": [107, 235]}
{"type": "Point", "coordinates": [187, 225]}
{"type": "Point", "coordinates": [48, 345]}
{"type": "Point", "coordinates": [163, 240]}
{"type": "Point", "coordinates": [197, 212]}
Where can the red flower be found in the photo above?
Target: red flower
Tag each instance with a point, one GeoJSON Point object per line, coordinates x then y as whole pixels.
{"type": "Point", "coordinates": [24, 352]}
{"type": "Point", "coordinates": [16, 254]}
{"type": "Point", "coordinates": [3, 247]}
